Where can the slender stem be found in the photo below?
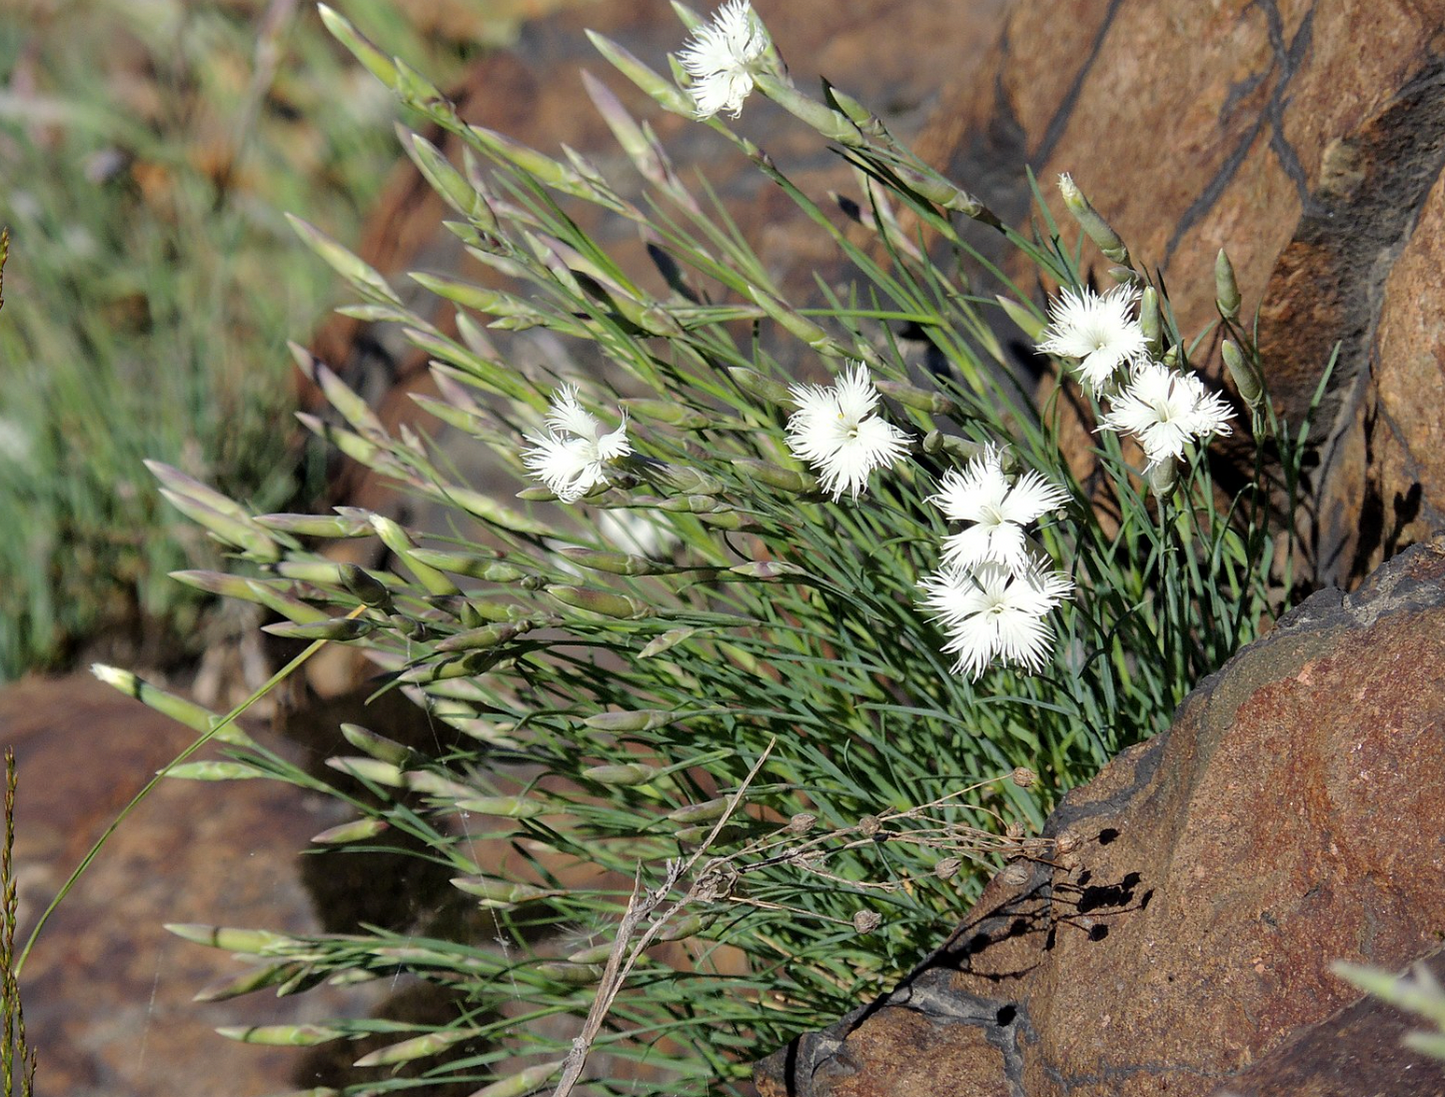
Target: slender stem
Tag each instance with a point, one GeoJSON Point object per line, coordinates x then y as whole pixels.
{"type": "Point", "coordinates": [225, 721]}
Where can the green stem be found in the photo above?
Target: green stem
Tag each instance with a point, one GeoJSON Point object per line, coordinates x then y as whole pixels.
{"type": "Point", "coordinates": [230, 718]}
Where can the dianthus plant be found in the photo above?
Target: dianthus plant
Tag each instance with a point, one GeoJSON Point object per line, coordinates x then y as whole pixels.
{"type": "Point", "coordinates": [759, 639]}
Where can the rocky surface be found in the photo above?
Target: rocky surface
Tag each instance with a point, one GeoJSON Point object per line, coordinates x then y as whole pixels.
{"type": "Point", "coordinates": [1177, 936]}
{"type": "Point", "coordinates": [1305, 138]}
{"type": "Point", "coordinates": [107, 991]}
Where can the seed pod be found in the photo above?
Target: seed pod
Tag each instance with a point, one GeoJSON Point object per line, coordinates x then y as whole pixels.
{"type": "Point", "coordinates": [506, 807]}
{"type": "Point", "coordinates": [1164, 478]}
{"type": "Point", "coordinates": [869, 825]}
{"type": "Point", "coordinates": [1015, 875]}
{"type": "Point", "coordinates": [418, 1047]}
{"type": "Point", "coordinates": [669, 639]}
{"type": "Point", "coordinates": [597, 954]}
{"type": "Point", "coordinates": [866, 921]}
{"type": "Point", "coordinates": [801, 823]}
{"type": "Point", "coordinates": [947, 868]}
{"type": "Point", "coordinates": [1024, 777]}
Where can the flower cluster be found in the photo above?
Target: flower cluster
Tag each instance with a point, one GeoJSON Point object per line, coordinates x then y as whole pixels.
{"type": "Point", "coordinates": [993, 592]}
{"type": "Point", "coordinates": [1163, 409]}
{"type": "Point", "coordinates": [723, 56]}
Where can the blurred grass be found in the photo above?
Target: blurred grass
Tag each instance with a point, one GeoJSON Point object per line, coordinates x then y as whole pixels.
{"type": "Point", "coordinates": [147, 151]}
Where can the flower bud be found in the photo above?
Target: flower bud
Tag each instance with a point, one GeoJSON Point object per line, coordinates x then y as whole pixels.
{"type": "Point", "coordinates": [1245, 372]}
{"type": "Point", "coordinates": [417, 1047]}
{"type": "Point", "coordinates": [358, 830]}
{"type": "Point", "coordinates": [377, 746]}
{"type": "Point", "coordinates": [601, 602]}
{"type": "Point", "coordinates": [1149, 319]}
{"type": "Point", "coordinates": [624, 776]}
{"type": "Point", "coordinates": [1094, 226]}
{"type": "Point", "coordinates": [920, 399]}
{"type": "Point", "coordinates": [523, 1082]}
{"type": "Point", "coordinates": [632, 720]}
{"type": "Point", "coordinates": [1029, 322]}
{"type": "Point", "coordinates": [755, 384]}
{"type": "Point", "coordinates": [1226, 289]}
{"type": "Point", "coordinates": [1163, 478]}
{"type": "Point", "coordinates": [369, 590]}
{"type": "Point", "coordinates": [774, 476]}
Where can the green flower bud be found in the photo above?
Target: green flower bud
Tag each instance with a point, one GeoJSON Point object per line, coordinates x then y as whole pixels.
{"type": "Point", "coordinates": [1245, 372]}
{"type": "Point", "coordinates": [1094, 226]}
{"type": "Point", "coordinates": [358, 830]}
{"type": "Point", "coordinates": [1226, 288]}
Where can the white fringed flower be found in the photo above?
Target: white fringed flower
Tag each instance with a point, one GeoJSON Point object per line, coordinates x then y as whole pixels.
{"type": "Point", "coordinates": [722, 58]}
{"type": "Point", "coordinates": [998, 510]}
{"type": "Point", "coordinates": [1165, 411]}
{"type": "Point", "coordinates": [990, 614]}
{"type": "Point", "coordinates": [836, 432]}
{"type": "Point", "coordinates": [1099, 332]}
{"type": "Point", "coordinates": [571, 459]}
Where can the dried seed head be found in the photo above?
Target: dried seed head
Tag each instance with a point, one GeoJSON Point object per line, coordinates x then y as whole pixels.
{"type": "Point", "coordinates": [1013, 830]}
{"type": "Point", "coordinates": [801, 823]}
{"type": "Point", "coordinates": [1024, 777]}
{"type": "Point", "coordinates": [868, 826]}
{"type": "Point", "coordinates": [1067, 842]}
{"type": "Point", "coordinates": [947, 869]}
{"type": "Point", "coordinates": [1015, 875]}
{"type": "Point", "coordinates": [866, 921]}
{"type": "Point", "coordinates": [1034, 847]}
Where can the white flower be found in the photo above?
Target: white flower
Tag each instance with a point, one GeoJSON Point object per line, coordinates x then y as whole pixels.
{"type": "Point", "coordinates": [835, 431]}
{"type": "Point", "coordinates": [571, 459]}
{"type": "Point", "coordinates": [1099, 332]}
{"type": "Point", "coordinates": [981, 494]}
{"type": "Point", "coordinates": [1165, 410]}
{"type": "Point", "coordinates": [723, 56]}
{"type": "Point", "coordinates": [990, 613]}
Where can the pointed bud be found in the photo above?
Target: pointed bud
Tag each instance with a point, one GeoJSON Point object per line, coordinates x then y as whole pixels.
{"type": "Point", "coordinates": [523, 1082]}
{"type": "Point", "coordinates": [624, 776]}
{"type": "Point", "coordinates": [1245, 372]}
{"type": "Point", "coordinates": [254, 941]}
{"type": "Point", "coordinates": [631, 721]}
{"type": "Point", "coordinates": [1094, 226]}
{"type": "Point", "coordinates": [601, 602]}
{"type": "Point", "coordinates": [1164, 478]}
{"type": "Point", "coordinates": [935, 403]}
{"type": "Point", "coordinates": [418, 1047]}
{"type": "Point", "coordinates": [281, 1035]}
{"type": "Point", "coordinates": [756, 385]}
{"type": "Point", "coordinates": [783, 479]}
{"type": "Point", "coordinates": [369, 590]}
{"type": "Point", "coordinates": [1150, 320]}
{"type": "Point", "coordinates": [358, 830]}
{"type": "Point", "coordinates": [377, 746]}
{"type": "Point", "coordinates": [1026, 319]}
{"type": "Point", "coordinates": [1226, 288]}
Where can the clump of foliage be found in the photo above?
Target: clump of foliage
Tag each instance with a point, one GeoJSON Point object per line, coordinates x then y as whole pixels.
{"type": "Point", "coordinates": [772, 673]}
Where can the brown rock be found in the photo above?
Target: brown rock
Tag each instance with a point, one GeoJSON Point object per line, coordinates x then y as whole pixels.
{"type": "Point", "coordinates": [1293, 816]}
{"type": "Point", "coordinates": [1305, 139]}
{"type": "Point", "coordinates": [107, 991]}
